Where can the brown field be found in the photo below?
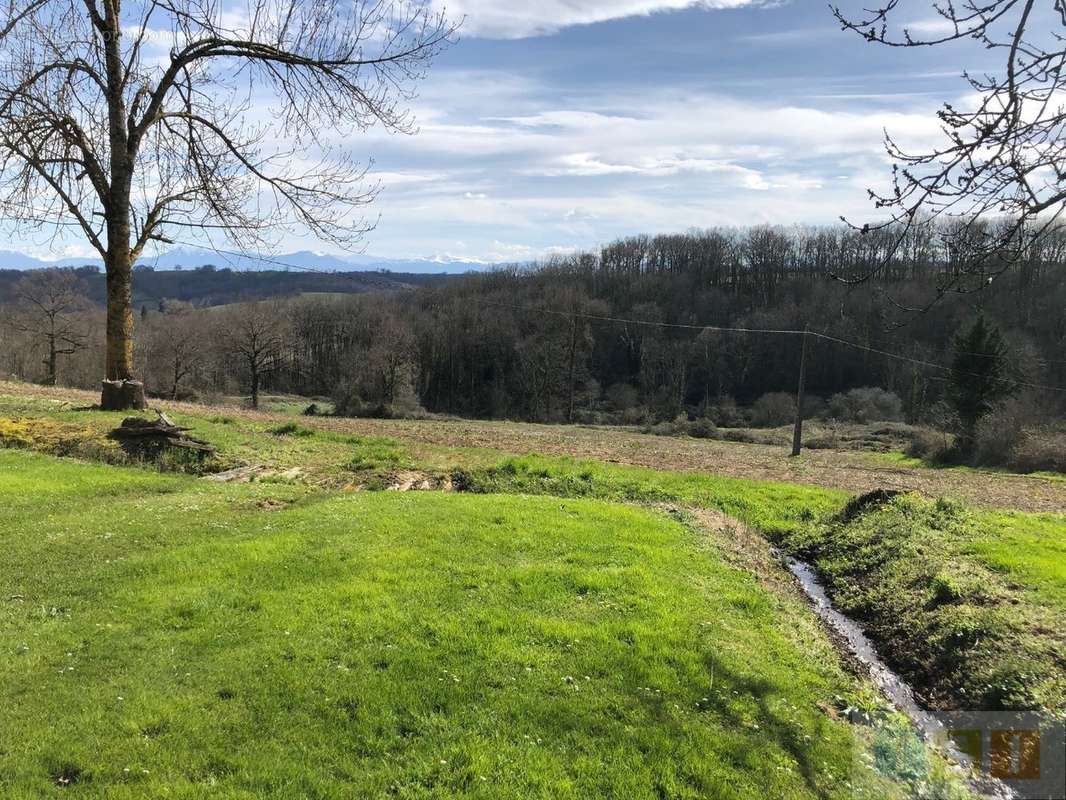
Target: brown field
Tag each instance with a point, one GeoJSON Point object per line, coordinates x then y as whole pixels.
{"type": "Point", "coordinates": [842, 469]}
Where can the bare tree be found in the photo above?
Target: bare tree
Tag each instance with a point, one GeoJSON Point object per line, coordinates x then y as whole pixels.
{"type": "Point", "coordinates": [50, 308]}
{"type": "Point", "coordinates": [255, 337]}
{"type": "Point", "coordinates": [131, 123]}
{"type": "Point", "coordinates": [178, 343]}
{"type": "Point", "coordinates": [1001, 170]}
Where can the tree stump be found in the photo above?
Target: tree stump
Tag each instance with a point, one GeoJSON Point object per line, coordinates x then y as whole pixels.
{"type": "Point", "coordinates": [122, 395]}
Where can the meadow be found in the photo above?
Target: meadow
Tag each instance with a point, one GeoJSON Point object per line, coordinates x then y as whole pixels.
{"type": "Point", "coordinates": [545, 624]}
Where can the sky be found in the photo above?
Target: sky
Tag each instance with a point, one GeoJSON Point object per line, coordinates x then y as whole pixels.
{"type": "Point", "coordinates": [555, 125]}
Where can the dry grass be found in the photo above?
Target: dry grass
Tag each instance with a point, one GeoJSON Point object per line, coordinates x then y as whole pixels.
{"type": "Point", "coordinates": [444, 442]}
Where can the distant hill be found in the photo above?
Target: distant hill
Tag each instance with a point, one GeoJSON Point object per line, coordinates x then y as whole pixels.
{"type": "Point", "coordinates": [187, 258]}
{"type": "Point", "coordinates": [211, 286]}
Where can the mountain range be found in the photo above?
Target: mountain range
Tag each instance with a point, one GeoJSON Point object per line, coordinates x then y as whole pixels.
{"type": "Point", "coordinates": [301, 261]}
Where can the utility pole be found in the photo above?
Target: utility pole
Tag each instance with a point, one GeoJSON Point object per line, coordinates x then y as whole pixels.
{"type": "Point", "coordinates": [797, 434]}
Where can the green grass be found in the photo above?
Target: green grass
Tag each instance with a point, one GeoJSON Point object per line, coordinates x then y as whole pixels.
{"type": "Point", "coordinates": [968, 606]}
{"type": "Point", "coordinates": [1029, 549]}
{"type": "Point", "coordinates": [163, 636]}
{"type": "Point", "coordinates": [322, 456]}
{"type": "Point", "coordinates": [770, 507]}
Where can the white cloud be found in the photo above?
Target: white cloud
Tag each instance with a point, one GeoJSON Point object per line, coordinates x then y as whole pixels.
{"type": "Point", "coordinates": [673, 135]}
{"type": "Point", "coordinates": [579, 172]}
{"type": "Point", "coordinates": [931, 27]}
{"type": "Point", "coordinates": [399, 178]}
{"type": "Point", "coordinates": [511, 19]}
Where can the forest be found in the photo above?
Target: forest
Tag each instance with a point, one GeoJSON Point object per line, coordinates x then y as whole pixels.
{"type": "Point", "coordinates": [587, 337]}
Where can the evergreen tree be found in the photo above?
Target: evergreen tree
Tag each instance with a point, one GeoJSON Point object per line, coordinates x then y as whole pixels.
{"type": "Point", "coordinates": [978, 377]}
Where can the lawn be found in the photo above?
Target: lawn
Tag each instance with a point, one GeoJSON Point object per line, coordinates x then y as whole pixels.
{"type": "Point", "coordinates": [167, 636]}
{"type": "Point", "coordinates": [1030, 549]}
{"type": "Point", "coordinates": [969, 604]}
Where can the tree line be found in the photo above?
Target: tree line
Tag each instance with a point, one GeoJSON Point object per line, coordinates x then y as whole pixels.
{"type": "Point", "coordinates": [616, 335]}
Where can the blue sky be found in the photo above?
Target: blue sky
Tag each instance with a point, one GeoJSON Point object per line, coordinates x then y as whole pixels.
{"type": "Point", "coordinates": [560, 124]}
{"type": "Point", "coordinates": [539, 135]}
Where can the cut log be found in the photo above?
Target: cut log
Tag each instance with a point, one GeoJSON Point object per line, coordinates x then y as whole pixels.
{"type": "Point", "coordinates": [142, 436]}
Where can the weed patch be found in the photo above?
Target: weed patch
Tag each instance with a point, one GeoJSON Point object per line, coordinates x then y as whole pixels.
{"type": "Point", "coordinates": [291, 429]}
{"type": "Point", "coordinates": [54, 437]}
{"type": "Point", "coordinates": [372, 454]}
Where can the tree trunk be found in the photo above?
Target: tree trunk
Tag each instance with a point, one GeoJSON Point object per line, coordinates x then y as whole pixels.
{"type": "Point", "coordinates": [51, 379]}
{"type": "Point", "coordinates": [120, 390]}
{"type": "Point", "coordinates": [119, 314]}
{"type": "Point", "coordinates": [255, 388]}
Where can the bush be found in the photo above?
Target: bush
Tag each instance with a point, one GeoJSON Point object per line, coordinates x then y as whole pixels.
{"type": "Point", "coordinates": [1012, 436]}
{"type": "Point", "coordinates": [291, 429]}
{"type": "Point", "coordinates": [1041, 450]}
{"type": "Point", "coordinates": [773, 410]}
{"type": "Point", "coordinates": [826, 441]}
{"type": "Point", "coordinates": [998, 436]}
{"type": "Point", "coordinates": [584, 416]}
{"type": "Point", "coordinates": [867, 404]}
{"type": "Point", "coordinates": [742, 436]}
{"type": "Point", "coordinates": [702, 428]}
{"type": "Point", "coordinates": [676, 427]}
{"type": "Point", "coordinates": [636, 415]}
{"type": "Point", "coordinates": [725, 413]}
{"type": "Point", "coordinates": [930, 445]}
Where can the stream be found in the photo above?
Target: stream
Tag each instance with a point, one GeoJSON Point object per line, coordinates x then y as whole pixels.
{"type": "Point", "coordinates": [897, 690]}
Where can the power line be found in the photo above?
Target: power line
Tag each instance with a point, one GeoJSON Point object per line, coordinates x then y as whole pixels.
{"type": "Point", "coordinates": [769, 331]}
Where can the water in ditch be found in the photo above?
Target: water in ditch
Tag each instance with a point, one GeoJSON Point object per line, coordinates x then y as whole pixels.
{"type": "Point", "coordinates": [897, 690]}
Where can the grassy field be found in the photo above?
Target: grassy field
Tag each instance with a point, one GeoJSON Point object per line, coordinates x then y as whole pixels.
{"type": "Point", "coordinates": [168, 636]}
{"type": "Point", "coordinates": [443, 444]}
{"type": "Point", "coordinates": [436, 644]}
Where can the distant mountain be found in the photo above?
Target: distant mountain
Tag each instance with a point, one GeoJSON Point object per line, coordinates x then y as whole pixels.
{"type": "Point", "coordinates": [9, 259]}
{"type": "Point", "coordinates": [303, 261]}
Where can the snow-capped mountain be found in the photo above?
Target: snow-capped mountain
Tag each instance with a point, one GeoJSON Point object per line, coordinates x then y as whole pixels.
{"type": "Point", "coordinates": [302, 260]}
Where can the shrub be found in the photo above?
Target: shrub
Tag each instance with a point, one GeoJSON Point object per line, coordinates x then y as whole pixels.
{"type": "Point", "coordinates": [866, 404]}
{"type": "Point", "coordinates": [724, 413]}
{"type": "Point", "coordinates": [826, 441]}
{"type": "Point", "coordinates": [676, 427]}
{"type": "Point", "coordinates": [1040, 450]}
{"type": "Point", "coordinates": [773, 410]}
{"type": "Point", "coordinates": [742, 436]}
{"type": "Point", "coordinates": [584, 416]}
{"type": "Point", "coordinates": [929, 445]}
{"type": "Point", "coordinates": [635, 416]}
{"type": "Point", "coordinates": [702, 428]}
{"type": "Point", "coordinates": [1012, 436]}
